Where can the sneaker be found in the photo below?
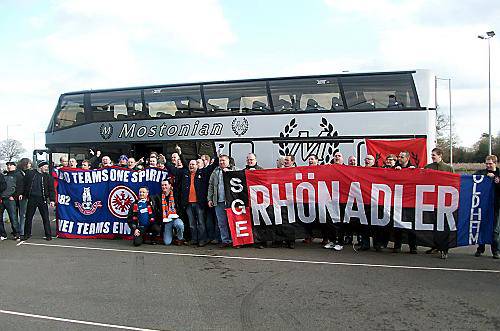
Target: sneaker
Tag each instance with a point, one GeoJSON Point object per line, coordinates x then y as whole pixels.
{"type": "Point", "coordinates": [48, 238]}
{"type": "Point", "coordinates": [3, 238]}
{"type": "Point", "coordinates": [444, 255]}
{"type": "Point", "coordinates": [477, 254]}
{"type": "Point", "coordinates": [431, 251]}
{"type": "Point", "coordinates": [329, 245]}
{"type": "Point", "coordinates": [338, 247]}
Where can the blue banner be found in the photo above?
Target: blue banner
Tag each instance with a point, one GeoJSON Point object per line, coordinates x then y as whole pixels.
{"type": "Point", "coordinates": [95, 203]}
{"type": "Point", "coordinates": [476, 210]}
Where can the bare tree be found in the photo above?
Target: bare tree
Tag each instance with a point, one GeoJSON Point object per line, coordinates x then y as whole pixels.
{"type": "Point", "coordinates": [10, 149]}
{"type": "Point", "coordinates": [443, 135]}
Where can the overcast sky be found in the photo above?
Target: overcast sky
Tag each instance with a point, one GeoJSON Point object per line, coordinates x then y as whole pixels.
{"type": "Point", "coordinates": [51, 47]}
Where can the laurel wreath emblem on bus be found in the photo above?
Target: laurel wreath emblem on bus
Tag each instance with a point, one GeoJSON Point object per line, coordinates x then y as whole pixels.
{"type": "Point", "coordinates": [239, 126]}
{"type": "Point", "coordinates": [106, 131]}
{"type": "Point", "coordinates": [324, 150]}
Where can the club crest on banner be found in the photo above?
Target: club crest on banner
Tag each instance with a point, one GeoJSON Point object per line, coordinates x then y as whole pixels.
{"type": "Point", "coordinates": [119, 201]}
{"type": "Point", "coordinates": [87, 207]}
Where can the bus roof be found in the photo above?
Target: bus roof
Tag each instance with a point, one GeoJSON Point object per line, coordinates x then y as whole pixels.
{"type": "Point", "coordinates": [246, 80]}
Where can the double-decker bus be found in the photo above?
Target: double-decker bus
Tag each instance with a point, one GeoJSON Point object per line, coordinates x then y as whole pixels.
{"type": "Point", "coordinates": [270, 116]}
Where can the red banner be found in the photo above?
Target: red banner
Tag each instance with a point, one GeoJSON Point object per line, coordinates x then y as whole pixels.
{"type": "Point", "coordinates": [240, 226]}
{"type": "Point", "coordinates": [304, 202]}
{"type": "Point", "coordinates": [381, 148]}
{"type": "Point", "coordinates": [280, 185]}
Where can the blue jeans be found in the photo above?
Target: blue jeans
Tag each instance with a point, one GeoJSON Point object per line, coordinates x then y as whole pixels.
{"type": "Point", "coordinates": [176, 224]}
{"type": "Point", "coordinates": [220, 211]}
{"type": "Point", "coordinates": [495, 244]}
{"type": "Point", "coordinates": [212, 228]}
{"type": "Point", "coordinates": [21, 209]}
{"type": "Point", "coordinates": [10, 205]}
{"type": "Point", "coordinates": [196, 216]}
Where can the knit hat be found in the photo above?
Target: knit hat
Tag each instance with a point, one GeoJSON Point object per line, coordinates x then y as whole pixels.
{"type": "Point", "coordinates": [123, 157]}
{"type": "Point", "coordinates": [42, 163]}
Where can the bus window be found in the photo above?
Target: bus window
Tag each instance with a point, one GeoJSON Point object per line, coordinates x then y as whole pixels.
{"type": "Point", "coordinates": [71, 111]}
{"type": "Point", "coordinates": [236, 97]}
{"type": "Point", "coordinates": [393, 91]}
{"type": "Point", "coordinates": [306, 94]}
{"type": "Point", "coordinates": [115, 105]}
{"type": "Point", "coordinates": [173, 101]}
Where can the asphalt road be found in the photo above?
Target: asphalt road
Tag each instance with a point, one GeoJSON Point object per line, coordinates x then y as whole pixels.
{"type": "Point", "coordinates": [188, 288]}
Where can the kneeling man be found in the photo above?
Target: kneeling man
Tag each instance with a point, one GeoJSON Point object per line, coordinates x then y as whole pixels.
{"type": "Point", "coordinates": [141, 218]}
{"type": "Point", "coordinates": [165, 209]}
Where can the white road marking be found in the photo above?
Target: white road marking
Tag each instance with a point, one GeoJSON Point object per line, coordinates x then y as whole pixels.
{"type": "Point", "coordinates": [263, 259]}
{"type": "Point", "coordinates": [104, 325]}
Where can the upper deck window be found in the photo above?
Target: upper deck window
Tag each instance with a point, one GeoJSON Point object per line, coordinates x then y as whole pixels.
{"type": "Point", "coordinates": [236, 97]}
{"type": "Point", "coordinates": [173, 101]}
{"type": "Point", "coordinates": [70, 111]}
{"type": "Point", "coordinates": [379, 91]}
{"type": "Point", "coordinates": [306, 94]}
{"type": "Point", "coordinates": [116, 105]}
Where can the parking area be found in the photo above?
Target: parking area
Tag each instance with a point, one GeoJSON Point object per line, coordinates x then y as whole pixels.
{"type": "Point", "coordinates": [109, 284]}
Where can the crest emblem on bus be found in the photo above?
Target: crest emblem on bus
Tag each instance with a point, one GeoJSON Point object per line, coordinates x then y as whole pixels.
{"type": "Point", "coordinates": [119, 201]}
{"type": "Point", "coordinates": [239, 126]}
{"type": "Point", "coordinates": [87, 207]}
{"type": "Point", "coordinates": [106, 131]}
{"type": "Point", "coordinates": [324, 150]}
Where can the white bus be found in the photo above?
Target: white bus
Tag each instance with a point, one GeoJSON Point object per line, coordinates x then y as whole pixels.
{"type": "Point", "coordinates": [270, 116]}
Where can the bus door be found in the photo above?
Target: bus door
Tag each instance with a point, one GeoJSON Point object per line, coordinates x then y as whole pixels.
{"type": "Point", "coordinates": [239, 151]}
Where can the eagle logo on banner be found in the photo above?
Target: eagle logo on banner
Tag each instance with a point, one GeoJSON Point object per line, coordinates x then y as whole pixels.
{"type": "Point", "coordinates": [119, 201]}
{"type": "Point", "coordinates": [87, 207]}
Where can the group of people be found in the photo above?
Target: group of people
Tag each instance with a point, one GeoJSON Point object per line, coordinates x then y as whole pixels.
{"type": "Point", "coordinates": [24, 190]}
{"type": "Point", "coordinates": [191, 206]}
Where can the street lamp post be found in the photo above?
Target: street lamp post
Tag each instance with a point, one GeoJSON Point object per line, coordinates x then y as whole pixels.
{"type": "Point", "coordinates": [7, 131]}
{"type": "Point", "coordinates": [489, 35]}
{"type": "Point", "coordinates": [449, 96]}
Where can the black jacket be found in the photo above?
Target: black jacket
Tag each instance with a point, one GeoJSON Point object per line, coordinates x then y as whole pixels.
{"type": "Point", "coordinates": [156, 204]}
{"type": "Point", "coordinates": [255, 167]}
{"type": "Point", "coordinates": [48, 191]}
{"type": "Point", "coordinates": [484, 172]}
{"type": "Point", "coordinates": [200, 180]}
{"type": "Point", "coordinates": [15, 182]}
{"type": "Point", "coordinates": [3, 184]}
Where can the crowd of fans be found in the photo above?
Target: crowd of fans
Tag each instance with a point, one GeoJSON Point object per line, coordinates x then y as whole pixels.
{"type": "Point", "coordinates": [190, 210]}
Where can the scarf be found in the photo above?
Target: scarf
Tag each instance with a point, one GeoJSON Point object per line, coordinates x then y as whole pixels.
{"type": "Point", "coordinates": [168, 207]}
